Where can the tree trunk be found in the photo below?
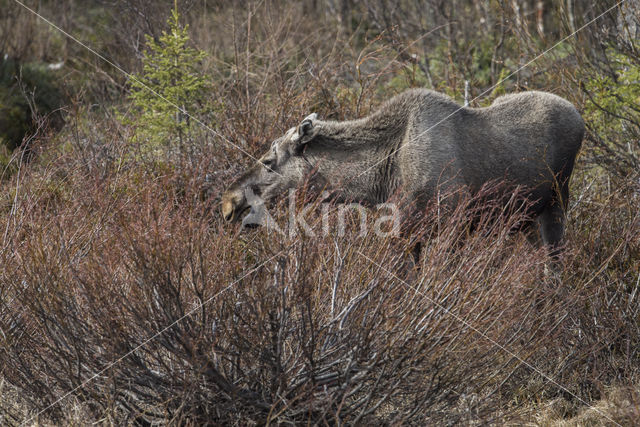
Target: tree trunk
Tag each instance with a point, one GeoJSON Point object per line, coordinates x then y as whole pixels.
{"type": "Point", "coordinates": [629, 21]}
{"type": "Point", "coordinates": [571, 16]}
{"type": "Point", "coordinates": [540, 17]}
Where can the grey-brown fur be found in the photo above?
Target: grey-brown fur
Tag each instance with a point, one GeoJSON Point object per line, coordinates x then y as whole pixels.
{"type": "Point", "coordinates": [422, 141]}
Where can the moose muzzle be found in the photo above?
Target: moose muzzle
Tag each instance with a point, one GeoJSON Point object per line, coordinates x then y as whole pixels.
{"type": "Point", "coordinates": [234, 204]}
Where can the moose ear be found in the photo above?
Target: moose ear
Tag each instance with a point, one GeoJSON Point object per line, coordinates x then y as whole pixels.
{"type": "Point", "coordinates": [306, 126]}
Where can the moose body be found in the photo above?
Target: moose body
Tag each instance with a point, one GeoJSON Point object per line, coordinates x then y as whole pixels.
{"type": "Point", "coordinates": [422, 142]}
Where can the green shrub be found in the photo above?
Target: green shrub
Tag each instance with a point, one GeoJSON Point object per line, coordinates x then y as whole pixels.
{"type": "Point", "coordinates": [169, 89]}
{"type": "Point", "coordinates": [612, 111]}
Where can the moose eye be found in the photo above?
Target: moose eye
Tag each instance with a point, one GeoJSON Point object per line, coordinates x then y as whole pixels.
{"type": "Point", "coordinates": [269, 164]}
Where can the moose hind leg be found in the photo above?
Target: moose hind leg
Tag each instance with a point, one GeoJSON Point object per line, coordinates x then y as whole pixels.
{"type": "Point", "coordinates": [552, 227]}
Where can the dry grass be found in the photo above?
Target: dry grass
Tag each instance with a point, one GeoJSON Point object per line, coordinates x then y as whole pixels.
{"type": "Point", "coordinates": [619, 405]}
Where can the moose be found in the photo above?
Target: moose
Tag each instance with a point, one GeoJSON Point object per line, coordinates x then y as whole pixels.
{"type": "Point", "coordinates": [421, 142]}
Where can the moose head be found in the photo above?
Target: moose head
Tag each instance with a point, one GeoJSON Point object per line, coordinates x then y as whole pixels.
{"type": "Point", "coordinates": [283, 167]}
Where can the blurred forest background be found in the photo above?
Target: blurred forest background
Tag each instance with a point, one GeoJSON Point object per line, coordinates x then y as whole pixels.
{"type": "Point", "coordinates": [125, 299]}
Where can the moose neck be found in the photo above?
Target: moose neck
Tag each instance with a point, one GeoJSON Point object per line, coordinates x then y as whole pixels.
{"type": "Point", "coordinates": [354, 158]}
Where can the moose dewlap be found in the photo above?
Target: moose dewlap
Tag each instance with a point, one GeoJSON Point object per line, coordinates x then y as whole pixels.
{"type": "Point", "coordinates": [421, 142]}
